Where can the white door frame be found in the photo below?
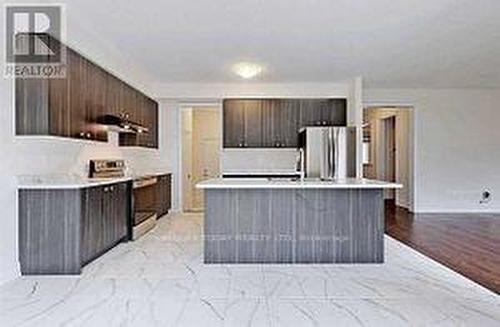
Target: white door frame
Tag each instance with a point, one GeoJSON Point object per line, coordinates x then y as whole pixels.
{"type": "Point", "coordinates": [412, 143]}
{"type": "Point", "coordinates": [182, 107]}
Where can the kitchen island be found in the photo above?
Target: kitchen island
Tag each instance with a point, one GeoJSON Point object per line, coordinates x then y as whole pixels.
{"type": "Point", "coordinates": [259, 220]}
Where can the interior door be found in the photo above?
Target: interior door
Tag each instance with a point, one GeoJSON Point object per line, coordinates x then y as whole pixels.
{"type": "Point", "coordinates": [206, 146]}
{"type": "Point", "coordinates": [187, 160]}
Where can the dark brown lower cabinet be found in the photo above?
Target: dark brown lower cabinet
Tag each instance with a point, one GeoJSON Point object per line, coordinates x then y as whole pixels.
{"type": "Point", "coordinates": [60, 230]}
{"type": "Point", "coordinates": [49, 231]}
{"type": "Point", "coordinates": [104, 219]}
{"type": "Point", "coordinates": [164, 194]}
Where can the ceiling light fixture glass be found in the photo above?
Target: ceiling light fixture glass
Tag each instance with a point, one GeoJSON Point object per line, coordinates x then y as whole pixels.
{"type": "Point", "coordinates": [247, 70]}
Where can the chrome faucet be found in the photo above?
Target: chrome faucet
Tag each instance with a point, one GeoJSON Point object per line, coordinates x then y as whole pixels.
{"type": "Point", "coordinates": [301, 165]}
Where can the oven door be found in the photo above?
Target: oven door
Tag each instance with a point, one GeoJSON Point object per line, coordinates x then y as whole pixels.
{"type": "Point", "coordinates": [144, 207]}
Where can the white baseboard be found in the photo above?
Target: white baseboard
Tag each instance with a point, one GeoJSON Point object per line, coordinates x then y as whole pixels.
{"type": "Point", "coordinates": [8, 274]}
{"type": "Point", "coordinates": [458, 210]}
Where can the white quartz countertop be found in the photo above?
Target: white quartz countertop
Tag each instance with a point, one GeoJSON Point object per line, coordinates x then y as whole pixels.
{"type": "Point", "coordinates": [68, 181]}
{"type": "Point", "coordinates": [287, 183]}
{"type": "Point", "coordinates": [260, 173]}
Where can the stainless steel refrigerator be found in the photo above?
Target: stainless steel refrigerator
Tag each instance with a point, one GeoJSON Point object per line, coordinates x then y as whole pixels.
{"type": "Point", "coordinates": [327, 152]}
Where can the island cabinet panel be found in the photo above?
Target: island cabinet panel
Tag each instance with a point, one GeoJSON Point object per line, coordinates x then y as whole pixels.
{"type": "Point", "coordinates": [318, 225]}
{"type": "Point", "coordinates": [276, 122]}
{"type": "Point", "coordinates": [71, 106]}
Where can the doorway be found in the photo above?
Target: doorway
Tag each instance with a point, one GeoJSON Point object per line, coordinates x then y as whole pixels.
{"type": "Point", "coordinates": [389, 158]}
{"type": "Point", "coordinates": [200, 152]}
{"type": "Point", "coordinates": [388, 150]}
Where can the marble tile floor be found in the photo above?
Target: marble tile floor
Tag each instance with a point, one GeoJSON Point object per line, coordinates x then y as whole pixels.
{"type": "Point", "coordinates": [160, 280]}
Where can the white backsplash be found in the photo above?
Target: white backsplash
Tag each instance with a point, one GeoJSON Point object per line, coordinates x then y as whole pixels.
{"type": "Point", "coordinates": [258, 160]}
{"type": "Point", "coordinates": [69, 156]}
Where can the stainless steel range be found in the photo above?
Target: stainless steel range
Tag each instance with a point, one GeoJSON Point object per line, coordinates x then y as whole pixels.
{"type": "Point", "coordinates": [144, 205]}
{"type": "Point", "coordinates": [106, 168]}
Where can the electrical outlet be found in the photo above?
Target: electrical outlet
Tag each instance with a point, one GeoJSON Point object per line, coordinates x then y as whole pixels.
{"type": "Point", "coordinates": [485, 197]}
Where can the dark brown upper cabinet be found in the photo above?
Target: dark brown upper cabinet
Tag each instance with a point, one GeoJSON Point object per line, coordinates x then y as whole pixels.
{"type": "Point", "coordinates": [87, 98]}
{"type": "Point", "coordinates": [146, 114]}
{"type": "Point", "coordinates": [233, 124]}
{"type": "Point", "coordinates": [281, 123]}
{"type": "Point", "coordinates": [71, 106]}
{"type": "Point", "coordinates": [323, 112]}
{"type": "Point", "coordinates": [252, 113]}
{"type": "Point", "coordinates": [280, 120]}
{"type": "Point", "coordinates": [243, 123]}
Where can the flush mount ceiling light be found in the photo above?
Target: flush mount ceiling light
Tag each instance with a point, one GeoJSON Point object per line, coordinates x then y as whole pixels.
{"type": "Point", "coordinates": [247, 70]}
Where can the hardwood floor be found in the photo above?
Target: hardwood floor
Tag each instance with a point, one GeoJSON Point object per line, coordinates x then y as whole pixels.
{"type": "Point", "coordinates": [466, 243]}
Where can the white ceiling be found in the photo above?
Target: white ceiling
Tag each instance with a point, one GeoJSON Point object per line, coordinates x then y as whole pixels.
{"type": "Point", "coordinates": [391, 43]}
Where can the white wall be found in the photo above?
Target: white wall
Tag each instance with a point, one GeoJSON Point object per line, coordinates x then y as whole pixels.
{"type": "Point", "coordinates": [258, 161]}
{"type": "Point", "coordinates": [217, 91]}
{"type": "Point", "coordinates": [457, 151]}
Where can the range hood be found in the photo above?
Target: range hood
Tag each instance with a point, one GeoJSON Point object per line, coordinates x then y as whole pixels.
{"type": "Point", "coordinates": [121, 124]}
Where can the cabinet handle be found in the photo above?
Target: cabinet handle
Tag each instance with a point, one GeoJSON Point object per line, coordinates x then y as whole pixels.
{"type": "Point", "coordinates": [111, 188]}
{"type": "Point", "coordinates": [82, 134]}
{"type": "Point", "coordinates": [105, 189]}
{"type": "Point", "coordinates": [245, 144]}
{"type": "Point", "coordinates": [88, 135]}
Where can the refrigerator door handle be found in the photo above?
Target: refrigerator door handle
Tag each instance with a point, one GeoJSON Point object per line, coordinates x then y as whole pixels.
{"type": "Point", "coordinates": [336, 154]}
{"type": "Point", "coordinates": [331, 154]}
